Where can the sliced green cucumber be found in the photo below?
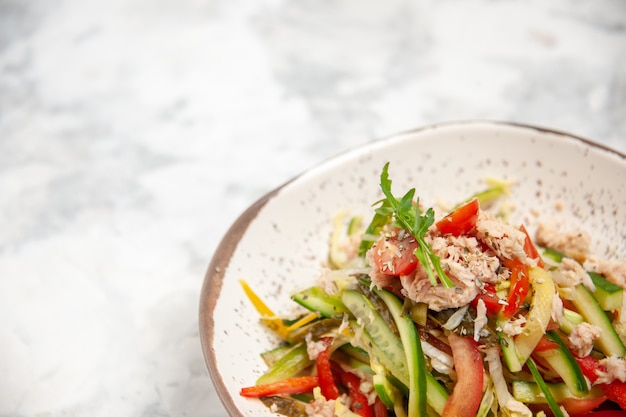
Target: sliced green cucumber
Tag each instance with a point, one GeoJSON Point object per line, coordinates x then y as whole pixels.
{"type": "Point", "coordinates": [570, 320]}
{"type": "Point", "coordinates": [317, 300]}
{"type": "Point", "coordinates": [608, 294]}
{"type": "Point", "coordinates": [290, 364]}
{"type": "Point", "coordinates": [609, 342]}
{"type": "Point", "coordinates": [553, 254]}
{"type": "Point", "coordinates": [563, 362]}
{"type": "Point", "coordinates": [355, 352]}
{"type": "Point", "coordinates": [509, 353]}
{"type": "Point", "coordinates": [385, 390]}
{"type": "Point", "coordinates": [384, 346]}
{"type": "Point", "coordinates": [414, 355]}
{"type": "Point", "coordinates": [383, 342]}
{"type": "Point", "coordinates": [530, 392]}
{"type": "Point", "coordinates": [272, 356]}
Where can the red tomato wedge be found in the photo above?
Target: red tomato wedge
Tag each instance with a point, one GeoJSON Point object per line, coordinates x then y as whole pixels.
{"type": "Point", "coordinates": [295, 385]}
{"type": "Point", "coordinates": [490, 298]}
{"type": "Point", "coordinates": [393, 254]}
{"type": "Point", "coordinates": [520, 286]}
{"type": "Point", "coordinates": [530, 248]}
{"type": "Point", "coordinates": [577, 408]}
{"type": "Point", "coordinates": [461, 220]}
{"type": "Point", "coordinates": [545, 344]}
{"type": "Point", "coordinates": [329, 389]}
{"type": "Point", "coordinates": [608, 413]}
{"type": "Point", "coordinates": [468, 391]}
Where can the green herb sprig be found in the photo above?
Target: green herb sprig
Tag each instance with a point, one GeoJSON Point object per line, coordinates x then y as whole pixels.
{"type": "Point", "coordinates": [408, 216]}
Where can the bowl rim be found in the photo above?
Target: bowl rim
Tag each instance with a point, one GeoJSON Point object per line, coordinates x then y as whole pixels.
{"type": "Point", "coordinates": [214, 275]}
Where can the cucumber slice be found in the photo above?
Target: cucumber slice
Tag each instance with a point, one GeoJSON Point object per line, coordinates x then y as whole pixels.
{"type": "Point", "coordinates": [290, 364]}
{"type": "Point", "coordinates": [509, 353]}
{"type": "Point", "coordinates": [608, 294]}
{"type": "Point", "coordinates": [385, 345]}
{"type": "Point", "coordinates": [609, 342]}
{"type": "Point", "coordinates": [387, 393]}
{"type": "Point", "coordinates": [563, 362]}
{"type": "Point", "coordinates": [530, 392]}
{"type": "Point", "coordinates": [272, 356]}
{"type": "Point", "coordinates": [569, 321]}
{"type": "Point", "coordinates": [355, 352]}
{"type": "Point", "coordinates": [317, 300]}
{"type": "Point", "coordinates": [414, 355]}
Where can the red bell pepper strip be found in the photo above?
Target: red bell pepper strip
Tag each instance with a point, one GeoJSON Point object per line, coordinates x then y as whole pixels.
{"type": "Point", "coordinates": [380, 410]}
{"type": "Point", "coordinates": [520, 286]}
{"type": "Point", "coordinates": [614, 391]}
{"type": "Point", "coordinates": [460, 221]}
{"type": "Point", "coordinates": [358, 401]}
{"type": "Point", "coordinates": [491, 300]}
{"type": "Point", "coordinates": [468, 364]}
{"type": "Point", "coordinates": [329, 389]}
{"type": "Point", "coordinates": [530, 249]}
{"type": "Point", "coordinates": [295, 385]}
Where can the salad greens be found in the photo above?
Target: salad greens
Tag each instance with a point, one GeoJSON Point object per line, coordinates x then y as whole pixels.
{"type": "Point", "coordinates": [408, 216]}
{"type": "Point", "coordinates": [507, 328]}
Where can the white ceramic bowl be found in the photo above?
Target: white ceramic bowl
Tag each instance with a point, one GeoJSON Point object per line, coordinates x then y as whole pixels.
{"type": "Point", "coordinates": [280, 243]}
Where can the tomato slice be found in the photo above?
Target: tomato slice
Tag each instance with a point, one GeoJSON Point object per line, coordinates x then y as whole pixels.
{"type": "Point", "coordinates": [608, 413]}
{"type": "Point", "coordinates": [490, 298]}
{"type": "Point", "coordinates": [530, 249]}
{"type": "Point", "coordinates": [520, 286]}
{"type": "Point", "coordinates": [545, 344]}
{"type": "Point", "coordinates": [325, 374]}
{"type": "Point", "coordinates": [468, 390]}
{"type": "Point", "coordinates": [295, 385]}
{"type": "Point", "coordinates": [461, 220]}
{"type": "Point", "coordinates": [576, 407]}
{"type": "Point", "coordinates": [393, 253]}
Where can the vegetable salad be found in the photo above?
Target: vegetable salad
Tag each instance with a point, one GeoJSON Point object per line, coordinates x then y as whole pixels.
{"type": "Point", "coordinates": [422, 313]}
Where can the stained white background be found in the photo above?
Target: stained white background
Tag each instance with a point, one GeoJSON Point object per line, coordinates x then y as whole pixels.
{"type": "Point", "coordinates": [134, 132]}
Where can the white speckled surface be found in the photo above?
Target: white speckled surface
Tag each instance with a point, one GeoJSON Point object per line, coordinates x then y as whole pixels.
{"type": "Point", "coordinates": [134, 132]}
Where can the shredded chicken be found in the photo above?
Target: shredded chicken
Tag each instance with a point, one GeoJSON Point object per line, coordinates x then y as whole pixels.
{"type": "Point", "coordinates": [418, 288]}
{"type": "Point", "coordinates": [573, 244]}
{"type": "Point", "coordinates": [582, 337]}
{"type": "Point", "coordinates": [313, 348]}
{"type": "Point", "coordinates": [466, 264]}
{"type": "Point", "coordinates": [557, 308]}
{"type": "Point", "coordinates": [613, 270]}
{"type": "Point", "coordinates": [570, 273]}
{"type": "Point", "coordinates": [320, 407]}
{"type": "Point", "coordinates": [615, 370]}
{"type": "Point", "coordinates": [505, 240]}
{"type": "Point", "coordinates": [514, 326]}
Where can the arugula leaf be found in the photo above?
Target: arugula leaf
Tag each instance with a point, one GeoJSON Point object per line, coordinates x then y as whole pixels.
{"type": "Point", "coordinates": [408, 216]}
{"type": "Point", "coordinates": [381, 217]}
